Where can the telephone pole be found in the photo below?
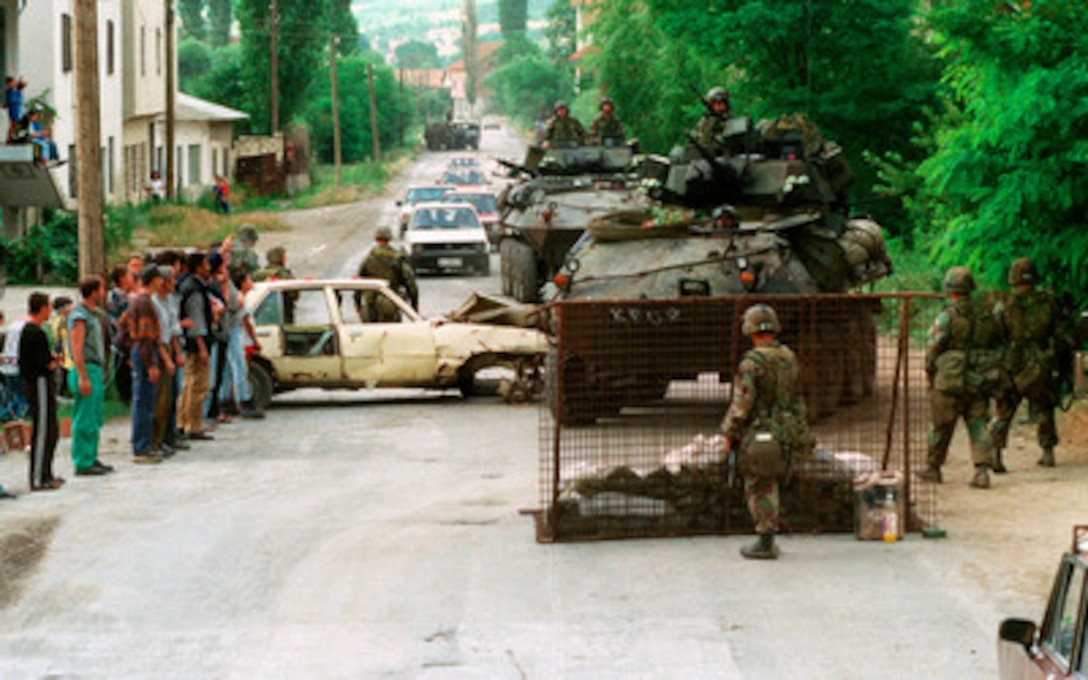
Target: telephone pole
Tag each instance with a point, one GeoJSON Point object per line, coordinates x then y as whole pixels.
{"type": "Point", "coordinates": [92, 246]}
{"type": "Point", "coordinates": [171, 166]}
{"type": "Point", "coordinates": [373, 113]}
{"type": "Point", "coordinates": [274, 40]}
{"type": "Point", "coordinates": [334, 41]}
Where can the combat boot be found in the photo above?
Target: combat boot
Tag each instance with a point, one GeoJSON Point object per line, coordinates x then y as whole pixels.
{"type": "Point", "coordinates": [1047, 459]}
{"type": "Point", "coordinates": [931, 474]}
{"type": "Point", "coordinates": [763, 549]}
{"type": "Point", "coordinates": [999, 462]}
{"type": "Point", "coordinates": [981, 480]}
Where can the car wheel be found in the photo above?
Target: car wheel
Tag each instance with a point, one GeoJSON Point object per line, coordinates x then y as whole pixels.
{"type": "Point", "coordinates": [261, 385]}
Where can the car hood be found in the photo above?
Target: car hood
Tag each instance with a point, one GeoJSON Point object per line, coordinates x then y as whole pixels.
{"type": "Point", "coordinates": [428, 236]}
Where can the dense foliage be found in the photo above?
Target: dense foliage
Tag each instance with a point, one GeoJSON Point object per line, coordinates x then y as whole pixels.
{"type": "Point", "coordinates": [417, 54]}
{"type": "Point", "coordinates": [513, 16]}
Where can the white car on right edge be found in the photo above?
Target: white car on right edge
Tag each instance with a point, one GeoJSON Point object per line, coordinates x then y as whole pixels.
{"type": "Point", "coordinates": [445, 237]}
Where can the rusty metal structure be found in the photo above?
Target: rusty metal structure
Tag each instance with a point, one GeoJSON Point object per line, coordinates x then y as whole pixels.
{"type": "Point", "coordinates": [630, 443]}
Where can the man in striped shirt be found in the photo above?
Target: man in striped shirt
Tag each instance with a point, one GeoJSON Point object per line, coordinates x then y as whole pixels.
{"type": "Point", "coordinates": [148, 361]}
{"type": "Point", "coordinates": [36, 364]}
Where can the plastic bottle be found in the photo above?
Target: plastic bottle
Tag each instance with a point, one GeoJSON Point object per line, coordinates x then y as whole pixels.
{"type": "Point", "coordinates": [891, 518]}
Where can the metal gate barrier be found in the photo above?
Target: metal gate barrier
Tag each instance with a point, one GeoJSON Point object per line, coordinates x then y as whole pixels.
{"type": "Point", "coordinates": [630, 440]}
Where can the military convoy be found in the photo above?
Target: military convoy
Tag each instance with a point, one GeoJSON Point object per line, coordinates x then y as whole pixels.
{"type": "Point", "coordinates": [769, 221]}
{"type": "Point", "coordinates": [452, 135]}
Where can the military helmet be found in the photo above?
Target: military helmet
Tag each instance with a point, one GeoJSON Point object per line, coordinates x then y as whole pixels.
{"type": "Point", "coordinates": [561, 104]}
{"type": "Point", "coordinates": [383, 234]}
{"type": "Point", "coordinates": [760, 318]}
{"type": "Point", "coordinates": [1023, 271]}
{"type": "Point", "coordinates": [724, 211]}
{"type": "Point", "coordinates": [606, 100]}
{"type": "Point", "coordinates": [247, 233]}
{"type": "Point", "coordinates": [717, 94]}
{"type": "Point", "coordinates": [959, 280]}
{"type": "Point", "coordinates": [276, 256]}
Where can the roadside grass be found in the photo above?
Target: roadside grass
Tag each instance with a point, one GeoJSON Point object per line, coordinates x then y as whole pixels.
{"type": "Point", "coordinates": [914, 272]}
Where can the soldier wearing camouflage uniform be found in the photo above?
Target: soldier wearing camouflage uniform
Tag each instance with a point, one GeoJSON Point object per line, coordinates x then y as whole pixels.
{"type": "Point", "coordinates": [607, 128]}
{"type": "Point", "coordinates": [564, 128]}
{"type": "Point", "coordinates": [1031, 319]}
{"type": "Point", "coordinates": [277, 266]}
{"type": "Point", "coordinates": [386, 262]}
{"type": "Point", "coordinates": [712, 130]}
{"type": "Point", "coordinates": [245, 258]}
{"type": "Point", "coordinates": [765, 400]}
{"type": "Point", "coordinates": [964, 350]}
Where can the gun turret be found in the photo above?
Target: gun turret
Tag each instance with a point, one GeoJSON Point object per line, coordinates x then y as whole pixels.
{"type": "Point", "coordinates": [517, 167]}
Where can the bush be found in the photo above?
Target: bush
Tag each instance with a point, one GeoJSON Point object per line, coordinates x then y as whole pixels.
{"type": "Point", "coordinates": [49, 253]}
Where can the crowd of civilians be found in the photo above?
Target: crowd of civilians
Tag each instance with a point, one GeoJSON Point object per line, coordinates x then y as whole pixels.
{"type": "Point", "coordinates": [170, 331]}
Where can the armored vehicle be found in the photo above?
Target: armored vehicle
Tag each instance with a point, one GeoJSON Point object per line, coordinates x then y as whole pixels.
{"type": "Point", "coordinates": [770, 222]}
{"type": "Point", "coordinates": [548, 209]}
{"type": "Point", "coordinates": [458, 134]}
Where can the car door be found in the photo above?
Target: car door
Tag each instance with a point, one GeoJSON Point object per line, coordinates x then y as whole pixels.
{"type": "Point", "coordinates": [1062, 635]}
{"type": "Point", "coordinates": [308, 340]}
{"type": "Point", "coordinates": [398, 353]}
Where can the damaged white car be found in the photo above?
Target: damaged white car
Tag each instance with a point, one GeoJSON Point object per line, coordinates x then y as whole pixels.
{"type": "Point", "coordinates": [312, 334]}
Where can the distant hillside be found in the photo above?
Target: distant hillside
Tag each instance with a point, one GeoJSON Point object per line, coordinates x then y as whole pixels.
{"type": "Point", "coordinates": [386, 22]}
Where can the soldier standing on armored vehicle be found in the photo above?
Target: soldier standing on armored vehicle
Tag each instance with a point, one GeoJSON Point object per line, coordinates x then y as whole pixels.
{"type": "Point", "coordinates": [607, 129]}
{"type": "Point", "coordinates": [1032, 321]}
{"type": "Point", "coordinates": [383, 261]}
{"type": "Point", "coordinates": [564, 130]}
{"type": "Point", "coordinates": [964, 350]}
{"type": "Point", "coordinates": [767, 424]}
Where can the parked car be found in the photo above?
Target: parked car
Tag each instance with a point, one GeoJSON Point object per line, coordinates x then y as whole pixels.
{"type": "Point", "coordinates": [462, 162]}
{"type": "Point", "coordinates": [445, 237]}
{"type": "Point", "coordinates": [1059, 647]}
{"type": "Point", "coordinates": [312, 335]}
{"type": "Point", "coordinates": [416, 195]}
{"type": "Point", "coordinates": [487, 209]}
{"type": "Point", "coordinates": [463, 176]}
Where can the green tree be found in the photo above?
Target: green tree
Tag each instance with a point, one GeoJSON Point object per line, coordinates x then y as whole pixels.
{"type": "Point", "coordinates": [1008, 172]}
{"type": "Point", "coordinates": [220, 16]}
{"type": "Point", "coordinates": [513, 16]}
{"type": "Point", "coordinates": [561, 30]}
{"type": "Point", "coordinates": [194, 62]}
{"type": "Point", "coordinates": [223, 83]}
{"type": "Point", "coordinates": [192, 18]}
{"type": "Point", "coordinates": [302, 44]}
{"type": "Point", "coordinates": [417, 54]}
{"type": "Point", "coordinates": [526, 87]}
{"type": "Point", "coordinates": [341, 22]}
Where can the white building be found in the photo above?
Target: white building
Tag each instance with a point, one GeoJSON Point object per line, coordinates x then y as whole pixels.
{"type": "Point", "coordinates": [37, 42]}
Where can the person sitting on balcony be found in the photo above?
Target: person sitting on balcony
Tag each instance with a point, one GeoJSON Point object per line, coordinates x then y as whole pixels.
{"type": "Point", "coordinates": [39, 135]}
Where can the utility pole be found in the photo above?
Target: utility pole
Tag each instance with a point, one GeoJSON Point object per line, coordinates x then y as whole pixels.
{"type": "Point", "coordinates": [334, 41]}
{"type": "Point", "coordinates": [274, 40]}
{"type": "Point", "coordinates": [92, 245]}
{"type": "Point", "coordinates": [373, 113]}
{"type": "Point", "coordinates": [170, 88]}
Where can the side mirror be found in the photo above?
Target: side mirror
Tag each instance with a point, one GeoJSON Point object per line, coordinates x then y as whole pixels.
{"type": "Point", "coordinates": [1019, 631]}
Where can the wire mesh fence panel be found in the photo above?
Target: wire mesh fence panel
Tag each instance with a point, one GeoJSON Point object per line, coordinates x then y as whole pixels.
{"type": "Point", "coordinates": [630, 434]}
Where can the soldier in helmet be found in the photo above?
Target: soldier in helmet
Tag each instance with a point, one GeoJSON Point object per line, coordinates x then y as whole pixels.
{"type": "Point", "coordinates": [244, 259]}
{"type": "Point", "coordinates": [710, 131]}
{"type": "Point", "coordinates": [607, 128]}
{"type": "Point", "coordinates": [277, 266]}
{"type": "Point", "coordinates": [1031, 318]}
{"type": "Point", "coordinates": [383, 261]}
{"type": "Point", "coordinates": [563, 129]}
{"type": "Point", "coordinates": [766, 425]}
{"type": "Point", "coordinates": [964, 349]}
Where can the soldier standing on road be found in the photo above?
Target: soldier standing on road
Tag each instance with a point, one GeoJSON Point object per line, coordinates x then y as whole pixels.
{"type": "Point", "coordinates": [767, 424]}
{"type": "Point", "coordinates": [1032, 323]}
{"type": "Point", "coordinates": [563, 129]}
{"type": "Point", "coordinates": [277, 266]}
{"type": "Point", "coordinates": [245, 258]}
{"type": "Point", "coordinates": [607, 129]}
{"type": "Point", "coordinates": [963, 357]}
{"type": "Point", "coordinates": [383, 261]}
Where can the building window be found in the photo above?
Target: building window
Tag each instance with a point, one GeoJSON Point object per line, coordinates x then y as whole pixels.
{"type": "Point", "coordinates": [158, 51]}
{"type": "Point", "coordinates": [66, 43]}
{"type": "Point", "coordinates": [215, 158]}
{"type": "Point", "coordinates": [178, 163]}
{"type": "Point", "coordinates": [194, 165]}
{"type": "Point", "coordinates": [226, 162]}
{"type": "Point", "coordinates": [109, 48]}
{"type": "Point", "coordinates": [143, 50]}
{"type": "Point", "coordinates": [109, 167]}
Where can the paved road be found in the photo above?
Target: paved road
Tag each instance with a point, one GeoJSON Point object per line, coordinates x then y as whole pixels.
{"type": "Point", "coordinates": [378, 535]}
